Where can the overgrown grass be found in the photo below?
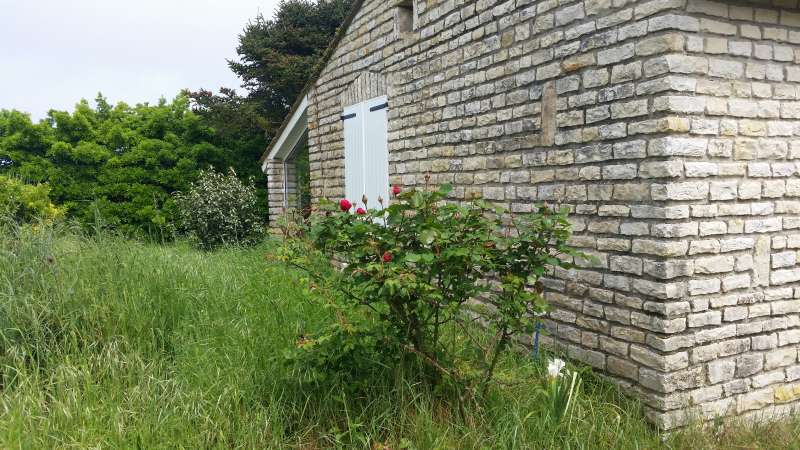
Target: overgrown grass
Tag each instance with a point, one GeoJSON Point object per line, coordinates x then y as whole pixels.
{"type": "Point", "coordinates": [108, 343]}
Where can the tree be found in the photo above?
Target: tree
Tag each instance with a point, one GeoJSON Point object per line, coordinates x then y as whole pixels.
{"type": "Point", "coordinates": [278, 55]}
{"type": "Point", "coordinates": [276, 59]}
{"type": "Point", "coordinates": [238, 125]}
{"type": "Point", "coordinates": [121, 161]}
{"type": "Point", "coordinates": [127, 161]}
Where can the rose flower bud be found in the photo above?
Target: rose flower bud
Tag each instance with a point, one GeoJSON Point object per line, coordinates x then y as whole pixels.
{"type": "Point", "coordinates": [396, 190]}
{"type": "Point", "coordinates": [345, 205]}
{"type": "Point", "coordinates": [361, 211]}
{"type": "Point", "coordinates": [387, 257]}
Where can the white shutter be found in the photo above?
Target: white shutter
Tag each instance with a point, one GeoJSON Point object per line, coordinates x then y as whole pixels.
{"type": "Point", "coordinates": [366, 152]}
{"type": "Point", "coordinates": [352, 119]}
{"type": "Point", "coordinates": [376, 151]}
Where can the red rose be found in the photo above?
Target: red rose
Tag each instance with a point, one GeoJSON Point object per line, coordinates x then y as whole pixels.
{"type": "Point", "coordinates": [396, 190]}
{"type": "Point", "coordinates": [345, 205]}
{"type": "Point", "coordinates": [361, 211]}
{"type": "Point", "coordinates": [387, 257]}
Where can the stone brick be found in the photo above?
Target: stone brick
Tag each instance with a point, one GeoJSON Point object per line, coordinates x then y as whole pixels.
{"type": "Point", "coordinates": [694, 190]}
{"type": "Point", "coordinates": [780, 358]}
{"type": "Point", "coordinates": [722, 370]}
{"type": "Point", "coordinates": [707, 286]}
{"type": "Point", "coordinates": [755, 400]}
{"type": "Point", "coordinates": [659, 248]}
{"type": "Point", "coordinates": [704, 319]}
{"type": "Point", "coordinates": [622, 367]}
{"type": "Point", "coordinates": [749, 364]}
{"type": "Point", "coordinates": [664, 363]}
{"type": "Point", "coordinates": [714, 264]}
{"type": "Point", "coordinates": [768, 378]}
{"type": "Point", "coordinates": [615, 54]}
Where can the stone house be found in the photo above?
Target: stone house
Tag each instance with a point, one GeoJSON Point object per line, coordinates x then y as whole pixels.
{"type": "Point", "coordinates": [669, 127]}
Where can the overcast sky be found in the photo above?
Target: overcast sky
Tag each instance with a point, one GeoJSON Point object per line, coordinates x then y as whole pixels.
{"type": "Point", "coordinates": [55, 52]}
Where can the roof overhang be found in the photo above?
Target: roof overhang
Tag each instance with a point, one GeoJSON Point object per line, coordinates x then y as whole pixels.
{"type": "Point", "coordinates": [321, 64]}
{"type": "Point", "coordinates": [291, 134]}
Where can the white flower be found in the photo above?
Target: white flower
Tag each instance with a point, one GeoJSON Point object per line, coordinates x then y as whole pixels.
{"type": "Point", "coordinates": [554, 367]}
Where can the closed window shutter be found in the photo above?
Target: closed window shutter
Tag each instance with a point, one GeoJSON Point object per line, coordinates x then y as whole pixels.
{"type": "Point", "coordinates": [376, 151]}
{"type": "Point", "coordinates": [366, 151]}
{"type": "Point", "coordinates": [352, 119]}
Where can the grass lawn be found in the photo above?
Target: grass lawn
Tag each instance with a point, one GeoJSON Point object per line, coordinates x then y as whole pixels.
{"type": "Point", "coordinates": [108, 343]}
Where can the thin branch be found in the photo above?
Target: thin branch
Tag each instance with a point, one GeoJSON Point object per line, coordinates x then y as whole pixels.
{"type": "Point", "coordinates": [470, 336]}
{"type": "Point", "coordinates": [340, 289]}
{"type": "Point", "coordinates": [435, 364]}
{"type": "Point", "coordinates": [452, 374]}
{"type": "Point", "coordinates": [498, 349]}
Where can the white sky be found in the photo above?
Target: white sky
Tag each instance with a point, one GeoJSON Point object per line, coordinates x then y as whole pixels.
{"type": "Point", "coordinates": [55, 52]}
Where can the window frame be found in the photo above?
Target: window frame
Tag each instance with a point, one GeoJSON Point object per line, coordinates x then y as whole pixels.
{"type": "Point", "coordinates": [406, 18]}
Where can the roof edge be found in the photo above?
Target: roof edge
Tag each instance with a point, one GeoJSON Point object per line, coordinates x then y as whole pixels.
{"type": "Point", "coordinates": [318, 68]}
{"type": "Point", "coordinates": [295, 126]}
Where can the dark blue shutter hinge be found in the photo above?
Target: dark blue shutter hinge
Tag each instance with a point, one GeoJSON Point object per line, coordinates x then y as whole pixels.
{"type": "Point", "coordinates": [348, 116]}
{"type": "Point", "coordinates": [377, 107]}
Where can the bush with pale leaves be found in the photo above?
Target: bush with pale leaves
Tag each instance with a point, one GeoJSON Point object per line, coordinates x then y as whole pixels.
{"type": "Point", "coordinates": [220, 209]}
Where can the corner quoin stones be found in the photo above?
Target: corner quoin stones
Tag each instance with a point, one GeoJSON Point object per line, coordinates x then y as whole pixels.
{"type": "Point", "coordinates": [668, 127]}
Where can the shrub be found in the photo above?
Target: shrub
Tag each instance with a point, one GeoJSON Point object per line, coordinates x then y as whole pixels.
{"type": "Point", "coordinates": [409, 271]}
{"type": "Point", "coordinates": [220, 209]}
{"type": "Point", "coordinates": [26, 202]}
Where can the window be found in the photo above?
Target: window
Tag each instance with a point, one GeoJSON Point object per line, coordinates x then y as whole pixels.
{"type": "Point", "coordinates": [404, 16]}
{"type": "Point", "coordinates": [366, 151]}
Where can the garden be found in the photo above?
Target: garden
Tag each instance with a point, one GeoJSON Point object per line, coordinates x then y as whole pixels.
{"type": "Point", "coordinates": [222, 337]}
{"type": "Point", "coordinates": [144, 304]}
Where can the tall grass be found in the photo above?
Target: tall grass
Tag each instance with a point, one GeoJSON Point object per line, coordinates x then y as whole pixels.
{"type": "Point", "coordinates": [109, 343]}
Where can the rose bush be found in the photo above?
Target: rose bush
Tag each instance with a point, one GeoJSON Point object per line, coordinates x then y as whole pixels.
{"type": "Point", "coordinates": [412, 276]}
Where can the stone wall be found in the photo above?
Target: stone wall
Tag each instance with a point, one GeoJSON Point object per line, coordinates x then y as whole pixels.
{"type": "Point", "coordinates": [283, 194]}
{"type": "Point", "coordinates": [273, 169]}
{"type": "Point", "coordinates": [667, 127]}
{"type": "Point", "coordinates": [735, 210]}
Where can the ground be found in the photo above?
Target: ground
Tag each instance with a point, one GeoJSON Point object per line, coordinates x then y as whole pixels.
{"type": "Point", "coordinates": [110, 343]}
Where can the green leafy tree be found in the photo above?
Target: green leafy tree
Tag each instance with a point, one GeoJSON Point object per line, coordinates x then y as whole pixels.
{"type": "Point", "coordinates": [277, 57]}
{"type": "Point", "coordinates": [238, 124]}
{"type": "Point", "coordinates": [122, 161]}
{"type": "Point", "coordinates": [125, 161]}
